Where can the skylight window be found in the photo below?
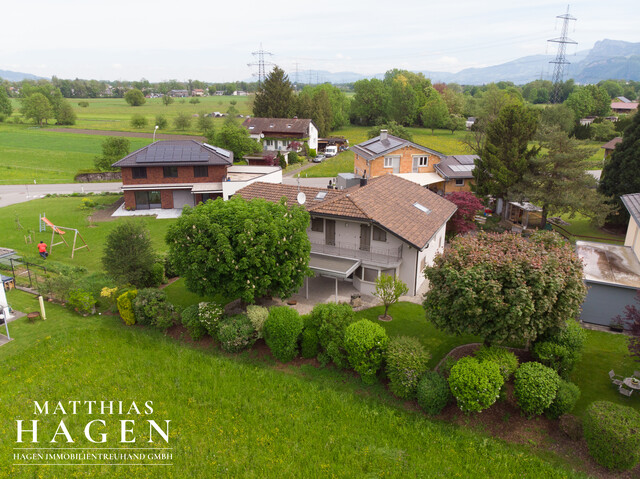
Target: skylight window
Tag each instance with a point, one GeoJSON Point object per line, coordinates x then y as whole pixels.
{"type": "Point", "coordinates": [251, 127]}
{"type": "Point", "coordinates": [422, 208]}
{"type": "Point", "coordinates": [321, 195]}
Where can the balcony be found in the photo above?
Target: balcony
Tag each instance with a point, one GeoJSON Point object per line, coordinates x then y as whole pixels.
{"type": "Point", "coordinates": [381, 256]}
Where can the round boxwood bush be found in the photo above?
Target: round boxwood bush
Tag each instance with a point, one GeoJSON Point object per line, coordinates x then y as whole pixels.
{"type": "Point", "coordinates": [281, 331]}
{"type": "Point", "coordinates": [433, 393]}
{"type": "Point", "coordinates": [309, 340]}
{"type": "Point", "coordinates": [191, 321]}
{"type": "Point", "coordinates": [566, 398]}
{"type": "Point", "coordinates": [612, 433]}
{"type": "Point", "coordinates": [406, 361]}
{"type": "Point", "coordinates": [366, 343]}
{"type": "Point", "coordinates": [505, 359]}
{"type": "Point", "coordinates": [535, 387]}
{"type": "Point", "coordinates": [235, 333]}
{"type": "Point", "coordinates": [556, 356]}
{"type": "Point", "coordinates": [475, 385]}
{"type": "Point", "coordinates": [151, 307]}
{"type": "Point", "coordinates": [332, 320]}
{"type": "Point", "coordinates": [561, 350]}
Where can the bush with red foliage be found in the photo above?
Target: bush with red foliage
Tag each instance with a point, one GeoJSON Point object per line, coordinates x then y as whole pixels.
{"type": "Point", "coordinates": [468, 205]}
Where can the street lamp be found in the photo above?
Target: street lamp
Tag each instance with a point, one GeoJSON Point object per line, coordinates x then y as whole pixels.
{"type": "Point", "coordinates": [154, 133]}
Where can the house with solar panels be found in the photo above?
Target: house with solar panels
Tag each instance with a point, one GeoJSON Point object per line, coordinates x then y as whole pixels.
{"type": "Point", "coordinates": [388, 154]}
{"type": "Point", "coordinates": [177, 173]}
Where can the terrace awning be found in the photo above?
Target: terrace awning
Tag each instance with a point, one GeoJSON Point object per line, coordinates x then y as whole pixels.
{"type": "Point", "coordinates": [332, 266]}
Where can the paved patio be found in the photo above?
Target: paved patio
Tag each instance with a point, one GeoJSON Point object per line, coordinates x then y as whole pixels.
{"type": "Point", "coordinates": [159, 213]}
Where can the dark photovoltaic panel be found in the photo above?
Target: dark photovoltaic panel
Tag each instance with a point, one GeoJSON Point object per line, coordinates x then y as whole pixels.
{"type": "Point", "coordinates": [173, 153]}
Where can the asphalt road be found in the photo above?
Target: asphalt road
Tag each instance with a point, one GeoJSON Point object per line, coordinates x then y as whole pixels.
{"type": "Point", "coordinates": [12, 194]}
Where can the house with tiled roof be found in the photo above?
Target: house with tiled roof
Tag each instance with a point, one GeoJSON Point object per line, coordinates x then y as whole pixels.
{"type": "Point", "coordinates": [177, 173]}
{"type": "Point", "coordinates": [388, 154]}
{"type": "Point", "coordinates": [387, 226]}
{"type": "Point", "coordinates": [277, 134]}
{"type": "Point", "coordinates": [610, 146]}
{"type": "Point", "coordinates": [624, 107]}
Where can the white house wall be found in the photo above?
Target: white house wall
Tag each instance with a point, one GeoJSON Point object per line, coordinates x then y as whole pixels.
{"type": "Point", "coordinates": [428, 254]}
{"type": "Point", "coordinates": [633, 237]}
{"type": "Point", "coordinates": [229, 188]}
{"type": "Point", "coordinates": [313, 137]}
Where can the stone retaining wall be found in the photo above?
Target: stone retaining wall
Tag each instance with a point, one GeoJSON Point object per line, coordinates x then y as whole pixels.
{"type": "Point", "coordinates": [96, 177]}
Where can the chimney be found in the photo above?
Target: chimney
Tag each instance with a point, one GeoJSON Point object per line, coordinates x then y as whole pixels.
{"type": "Point", "coordinates": [383, 135]}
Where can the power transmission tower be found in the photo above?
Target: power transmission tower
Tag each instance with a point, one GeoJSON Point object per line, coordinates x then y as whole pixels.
{"type": "Point", "coordinates": [260, 64]}
{"type": "Point", "coordinates": [297, 79]}
{"type": "Point", "coordinates": [561, 60]}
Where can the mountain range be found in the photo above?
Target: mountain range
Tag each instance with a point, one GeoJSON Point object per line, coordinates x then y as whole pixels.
{"type": "Point", "coordinates": [608, 59]}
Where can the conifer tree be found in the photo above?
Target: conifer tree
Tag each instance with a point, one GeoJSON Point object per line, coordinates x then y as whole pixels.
{"type": "Point", "coordinates": [274, 98]}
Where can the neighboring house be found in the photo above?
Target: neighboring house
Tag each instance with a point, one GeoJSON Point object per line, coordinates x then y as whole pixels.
{"type": "Point", "coordinates": [457, 171]}
{"type": "Point", "coordinates": [387, 154]}
{"type": "Point", "coordinates": [276, 134]}
{"type": "Point", "coordinates": [587, 120]}
{"type": "Point", "coordinates": [623, 99]}
{"type": "Point", "coordinates": [178, 93]}
{"type": "Point", "coordinates": [612, 272]}
{"type": "Point", "coordinates": [624, 107]}
{"type": "Point", "coordinates": [610, 146]}
{"type": "Point", "coordinates": [239, 93]}
{"type": "Point", "coordinates": [470, 122]}
{"type": "Point", "coordinates": [339, 141]}
{"type": "Point", "coordinates": [174, 174]}
{"type": "Point", "coordinates": [197, 92]}
{"type": "Point", "coordinates": [387, 226]}
{"type": "Point", "coordinates": [219, 93]}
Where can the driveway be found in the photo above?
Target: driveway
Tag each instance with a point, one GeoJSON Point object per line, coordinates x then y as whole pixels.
{"type": "Point", "coordinates": [12, 194]}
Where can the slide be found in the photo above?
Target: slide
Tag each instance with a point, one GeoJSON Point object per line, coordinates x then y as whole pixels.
{"type": "Point", "coordinates": [57, 230]}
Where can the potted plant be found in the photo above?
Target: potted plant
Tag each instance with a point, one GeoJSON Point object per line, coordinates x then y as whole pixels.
{"type": "Point", "coordinates": [616, 324]}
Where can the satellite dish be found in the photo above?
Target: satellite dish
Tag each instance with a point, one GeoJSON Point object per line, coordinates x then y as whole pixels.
{"type": "Point", "coordinates": [302, 198]}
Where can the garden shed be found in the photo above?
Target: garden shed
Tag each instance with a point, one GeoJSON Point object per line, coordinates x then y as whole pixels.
{"type": "Point", "coordinates": [612, 276]}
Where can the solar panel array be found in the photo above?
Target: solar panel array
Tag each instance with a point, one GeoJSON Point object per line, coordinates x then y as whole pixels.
{"type": "Point", "coordinates": [461, 168]}
{"type": "Point", "coordinates": [169, 152]}
{"type": "Point", "coordinates": [377, 146]}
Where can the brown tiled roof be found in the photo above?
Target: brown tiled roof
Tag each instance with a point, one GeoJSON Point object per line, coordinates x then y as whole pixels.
{"type": "Point", "coordinates": [387, 201]}
{"type": "Point", "coordinates": [620, 105]}
{"type": "Point", "coordinates": [611, 145]}
{"type": "Point", "coordinates": [274, 192]}
{"type": "Point", "coordinates": [177, 152]}
{"type": "Point", "coordinates": [375, 147]}
{"type": "Point", "coordinates": [297, 126]}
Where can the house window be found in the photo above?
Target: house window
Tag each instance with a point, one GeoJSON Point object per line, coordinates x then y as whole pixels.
{"type": "Point", "coordinates": [370, 275]}
{"type": "Point", "coordinates": [138, 172]}
{"type": "Point", "coordinates": [170, 171]}
{"type": "Point", "coordinates": [388, 161]}
{"type": "Point", "coordinates": [269, 142]}
{"type": "Point", "coordinates": [200, 171]}
{"type": "Point", "coordinates": [422, 160]}
{"type": "Point", "coordinates": [317, 224]}
{"type": "Point", "coordinates": [459, 182]}
{"type": "Point", "coordinates": [379, 234]}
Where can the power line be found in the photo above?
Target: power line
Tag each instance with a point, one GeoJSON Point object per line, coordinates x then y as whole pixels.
{"type": "Point", "coordinates": [561, 59]}
{"type": "Point", "coordinates": [260, 64]}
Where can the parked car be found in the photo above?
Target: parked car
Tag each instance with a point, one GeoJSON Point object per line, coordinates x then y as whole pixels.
{"type": "Point", "coordinates": [319, 159]}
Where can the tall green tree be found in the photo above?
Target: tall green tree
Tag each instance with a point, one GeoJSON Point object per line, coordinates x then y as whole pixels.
{"type": "Point", "coordinates": [506, 155]}
{"type": "Point", "coordinates": [392, 128]}
{"type": "Point", "coordinates": [37, 108]}
{"type": "Point", "coordinates": [558, 183]}
{"type": "Point", "coordinates": [5, 104]}
{"type": "Point", "coordinates": [128, 255]}
{"type": "Point", "coordinates": [234, 137]}
{"type": "Point", "coordinates": [241, 249]}
{"type": "Point", "coordinates": [434, 113]}
{"type": "Point", "coordinates": [621, 174]}
{"type": "Point", "coordinates": [135, 97]}
{"type": "Point", "coordinates": [275, 98]}
{"type": "Point", "coordinates": [369, 105]}
{"type": "Point", "coordinates": [114, 149]}
{"type": "Point", "coordinates": [403, 102]}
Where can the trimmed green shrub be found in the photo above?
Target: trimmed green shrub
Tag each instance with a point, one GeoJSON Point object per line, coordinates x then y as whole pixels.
{"type": "Point", "coordinates": [406, 361]}
{"type": "Point", "coordinates": [138, 121]}
{"type": "Point", "coordinates": [612, 433]}
{"type": "Point", "coordinates": [82, 301]}
{"type": "Point", "coordinates": [535, 387]}
{"type": "Point", "coordinates": [125, 306]}
{"type": "Point", "coordinates": [332, 320]}
{"type": "Point", "coordinates": [433, 393]}
{"type": "Point", "coordinates": [257, 315]}
{"type": "Point", "coordinates": [152, 308]}
{"type": "Point", "coordinates": [561, 350]}
{"type": "Point", "coordinates": [566, 398]}
{"type": "Point", "coordinates": [475, 385]}
{"type": "Point", "coordinates": [366, 343]}
{"type": "Point", "coordinates": [281, 331]}
{"type": "Point", "coordinates": [235, 333]}
{"type": "Point", "coordinates": [553, 355]}
{"type": "Point", "coordinates": [191, 321]}
{"type": "Point", "coordinates": [293, 158]}
{"type": "Point", "coordinates": [309, 339]}
{"type": "Point", "coordinates": [505, 359]}
{"type": "Point", "coordinates": [210, 316]}
{"type": "Point", "coordinates": [157, 274]}
{"type": "Point", "coordinates": [83, 104]}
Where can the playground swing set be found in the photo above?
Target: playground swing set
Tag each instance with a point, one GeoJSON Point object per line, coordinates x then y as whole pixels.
{"type": "Point", "coordinates": [60, 230]}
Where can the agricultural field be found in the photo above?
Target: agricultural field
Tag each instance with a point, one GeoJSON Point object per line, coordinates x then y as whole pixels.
{"type": "Point", "coordinates": [33, 154]}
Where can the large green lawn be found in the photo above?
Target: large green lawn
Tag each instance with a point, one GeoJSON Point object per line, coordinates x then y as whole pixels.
{"type": "Point", "coordinates": [31, 154]}
{"type": "Point", "coordinates": [230, 417]}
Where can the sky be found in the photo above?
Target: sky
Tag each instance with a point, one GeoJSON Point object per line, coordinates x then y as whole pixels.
{"type": "Point", "coordinates": [213, 41]}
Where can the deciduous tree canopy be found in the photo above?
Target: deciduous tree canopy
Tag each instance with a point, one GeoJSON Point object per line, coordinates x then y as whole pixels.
{"type": "Point", "coordinates": [504, 287]}
{"type": "Point", "coordinates": [241, 249]}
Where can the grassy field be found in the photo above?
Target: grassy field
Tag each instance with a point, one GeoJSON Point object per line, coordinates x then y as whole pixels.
{"type": "Point", "coordinates": [30, 154]}
{"type": "Point", "coordinates": [68, 212]}
{"type": "Point", "coordinates": [230, 417]}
